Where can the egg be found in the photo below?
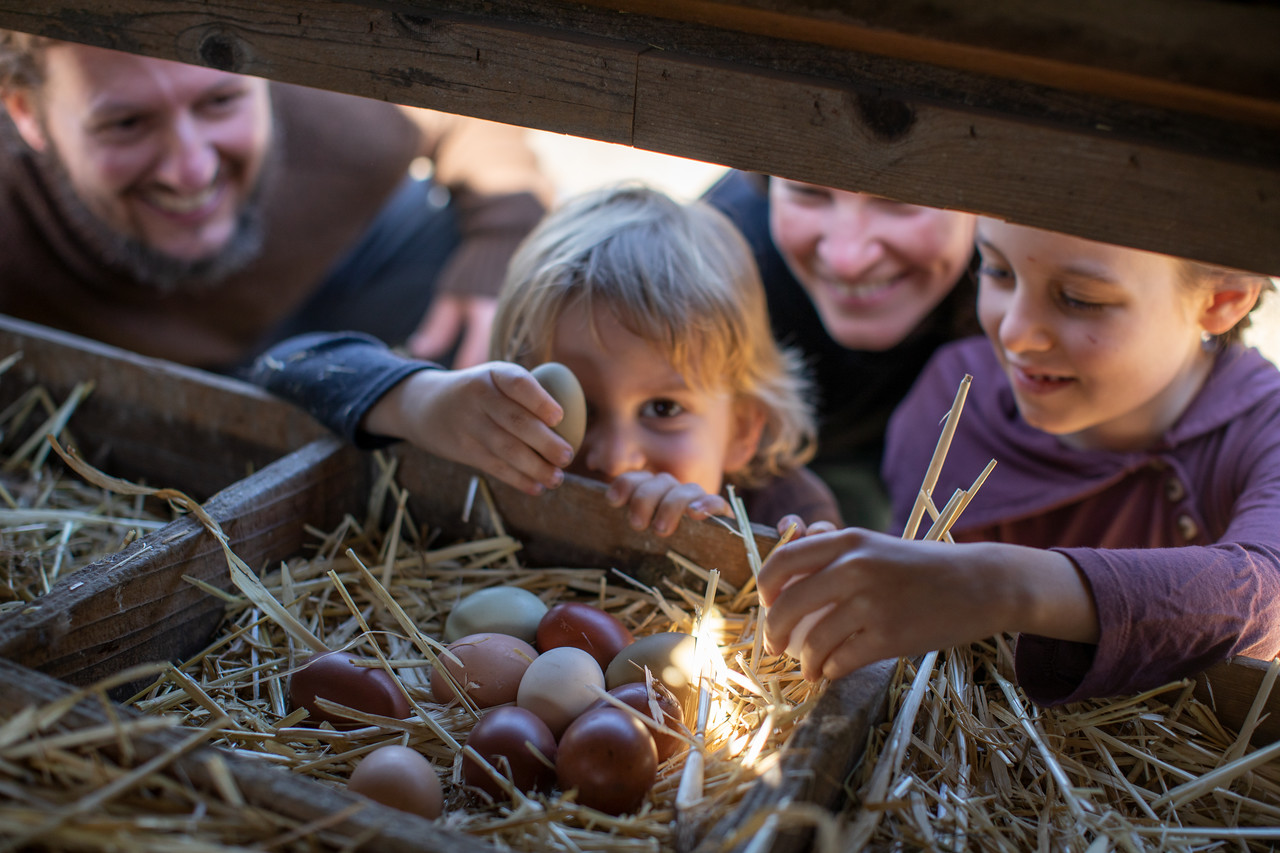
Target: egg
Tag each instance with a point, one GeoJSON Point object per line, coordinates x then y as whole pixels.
{"type": "Point", "coordinates": [656, 702]}
{"type": "Point", "coordinates": [572, 623]}
{"type": "Point", "coordinates": [669, 656]}
{"type": "Point", "coordinates": [608, 757]}
{"type": "Point", "coordinates": [487, 666]}
{"type": "Point", "coordinates": [335, 676]}
{"type": "Point", "coordinates": [559, 686]}
{"type": "Point", "coordinates": [518, 745]}
{"type": "Point", "coordinates": [499, 610]}
{"type": "Point", "coordinates": [399, 777]}
{"type": "Point", "coordinates": [561, 384]}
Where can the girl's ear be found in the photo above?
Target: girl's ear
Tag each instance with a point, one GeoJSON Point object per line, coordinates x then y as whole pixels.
{"type": "Point", "coordinates": [748, 426]}
{"type": "Point", "coordinates": [22, 109]}
{"type": "Point", "coordinates": [1233, 298]}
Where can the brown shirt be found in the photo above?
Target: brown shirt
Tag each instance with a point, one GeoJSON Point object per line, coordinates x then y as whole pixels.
{"type": "Point", "coordinates": [337, 159]}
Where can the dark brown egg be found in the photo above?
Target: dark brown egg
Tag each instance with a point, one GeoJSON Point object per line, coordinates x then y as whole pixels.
{"type": "Point", "coordinates": [488, 667]}
{"type": "Point", "coordinates": [572, 623]}
{"type": "Point", "coordinates": [507, 738]}
{"type": "Point", "coordinates": [335, 676]}
{"type": "Point", "coordinates": [399, 777]}
{"type": "Point", "coordinates": [608, 756]}
{"type": "Point", "coordinates": [638, 695]}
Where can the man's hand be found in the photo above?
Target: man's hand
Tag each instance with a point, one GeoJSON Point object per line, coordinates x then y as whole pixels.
{"type": "Point", "coordinates": [455, 319]}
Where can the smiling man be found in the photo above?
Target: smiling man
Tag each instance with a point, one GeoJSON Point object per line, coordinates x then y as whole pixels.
{"type": "Point", "coordinates": [199, 216]}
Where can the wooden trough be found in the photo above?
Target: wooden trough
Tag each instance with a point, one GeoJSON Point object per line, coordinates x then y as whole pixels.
{"type": "Point", "coordinates": [146, 603]}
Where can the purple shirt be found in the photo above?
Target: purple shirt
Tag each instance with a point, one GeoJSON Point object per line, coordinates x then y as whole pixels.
{"type": "Point", "coordinates": [1180, 543]}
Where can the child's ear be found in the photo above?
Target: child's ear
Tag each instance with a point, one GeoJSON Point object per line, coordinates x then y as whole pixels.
{"type": "Point", "coordinates": [1232, 298]}
{"type": "Point", "coordinates": [22, 109]}
{"type": "Point", "coordinates": [748, 426]}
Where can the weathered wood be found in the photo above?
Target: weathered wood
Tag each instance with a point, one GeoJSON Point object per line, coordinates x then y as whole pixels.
{"type": "Point", "coordinates": [1231, 688]}
{"type": "Point", "coordinates": [154, 421]}
{"type": "Point", "coordinates": [364, 824]}
{"type": "Point", "coordinates": [820, 753]}
{"type": "Point", "coordinates": [1145, 142]}
{"type": "Point", "coordinates": [1077, 183]}
{"type": "Point", "coordinates": [574, 526]}
{"type": "Point", "coordinates": [137, 606]}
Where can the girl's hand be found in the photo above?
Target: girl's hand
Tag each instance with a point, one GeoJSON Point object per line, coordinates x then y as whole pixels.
{"type": "Point", "coordinates": [802, 529]}
{"type": "Point", "coordinates": [494, 417]}
{"type": "Point", "coordinates": [890, 598]}
{"type": "Point", "coordinates": [658, 501]}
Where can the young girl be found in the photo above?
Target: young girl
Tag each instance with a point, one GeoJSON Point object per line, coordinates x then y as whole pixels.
{"type": "Point", "coordinates": [1131, 529]}
{"type": "Point", "coordinates": [658, 310]}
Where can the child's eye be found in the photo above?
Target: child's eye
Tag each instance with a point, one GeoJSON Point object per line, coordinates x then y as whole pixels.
{"type": "Point", "coordinates": [1077, 304]}
{"type": "Point", "coordinates": [990, 271]}
{"type": "Point", "coordinates": [662, 409]}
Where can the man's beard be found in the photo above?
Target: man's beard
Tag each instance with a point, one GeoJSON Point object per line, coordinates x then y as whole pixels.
{"type": "Point", "coordinates": [157, 270]}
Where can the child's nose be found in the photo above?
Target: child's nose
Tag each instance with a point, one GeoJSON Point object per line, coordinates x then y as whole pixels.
{"type": "Point", "coordinates": [1024, 326]}
{"type": "Point", "coordinates": [189, 159]}
{"type": "Point", "coordinates": [611, 450]}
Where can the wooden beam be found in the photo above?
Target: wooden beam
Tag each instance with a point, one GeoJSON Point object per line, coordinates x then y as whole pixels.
{"type": "Point", "coordinates": [1184, 181]}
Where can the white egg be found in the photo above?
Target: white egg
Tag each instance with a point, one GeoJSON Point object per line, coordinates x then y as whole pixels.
{"type": "Point", "coordinates": [559, 685]}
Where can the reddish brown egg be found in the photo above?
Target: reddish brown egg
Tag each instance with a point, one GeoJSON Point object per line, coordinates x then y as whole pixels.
{"type": "Point", "coordinates": [638, 695]}
{"type": "Point", "coordinates": [399, 777]}
{"type": "Point", "coordinates": [336, 677]}
{"type": "Point", "coordinates": [572, 623]}
{"type": "Point", "coordinates": [487, 666]}
{"type": "Point", "coordinates": [608, 756]}
{"type": "Point", "coordinates": [511, 739]}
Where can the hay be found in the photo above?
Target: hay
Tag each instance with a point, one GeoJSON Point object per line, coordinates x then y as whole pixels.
{"type": "Point", "coordinates": [52, 523]}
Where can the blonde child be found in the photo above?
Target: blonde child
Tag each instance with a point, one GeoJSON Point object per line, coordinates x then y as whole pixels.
{"type": "Point", "coordinates": [1130, 532]}
{"type": "Point", "coordinates": [658, 310]}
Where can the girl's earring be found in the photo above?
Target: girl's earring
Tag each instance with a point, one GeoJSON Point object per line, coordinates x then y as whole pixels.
{"type": "Point", "coordinates": [1208, 341]}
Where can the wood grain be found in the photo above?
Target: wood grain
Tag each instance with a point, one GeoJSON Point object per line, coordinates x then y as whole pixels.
{"type": "Point", "coordinates": [364, 824]}
{"type": "Point", "coordinates": [1129, 135]}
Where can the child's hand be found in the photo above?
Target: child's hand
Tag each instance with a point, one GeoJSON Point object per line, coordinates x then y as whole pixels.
{"type": "Point", "coordinates": [494, 417]}
{"type": "Point", "coordinates": [658, 500]}
{"type": "Point", "coordinates": [802, 529]}
{"type": "Point", "coordinates": [884, 598]}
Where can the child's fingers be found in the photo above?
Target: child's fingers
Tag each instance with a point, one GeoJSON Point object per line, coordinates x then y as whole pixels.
{"type": "Point", "coordinates": [519, 385]}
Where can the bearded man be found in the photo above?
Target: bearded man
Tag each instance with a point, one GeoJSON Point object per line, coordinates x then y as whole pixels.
{"type": "Point", "coordinates": [200, 216]}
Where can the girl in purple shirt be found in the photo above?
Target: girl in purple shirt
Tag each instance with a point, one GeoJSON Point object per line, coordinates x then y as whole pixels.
{"type": "Point", "coordinates": [1130, 531]}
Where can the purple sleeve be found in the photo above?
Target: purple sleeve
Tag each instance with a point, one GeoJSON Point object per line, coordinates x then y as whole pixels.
{"type": "Point", "coordinates": [335, 377]}
{"type": "Point", "coordinates": [1167, 613]}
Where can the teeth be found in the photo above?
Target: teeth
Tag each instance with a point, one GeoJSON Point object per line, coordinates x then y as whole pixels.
{"type": "Point", "coordinates": [180, 204]}
{"type": "Point", "coordinates": [862, 290]}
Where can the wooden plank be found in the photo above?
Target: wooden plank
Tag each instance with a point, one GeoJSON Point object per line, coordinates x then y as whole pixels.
{"type": "Point", "coordinates": [1232, 688]}
{"type": "Point", "coordinates": [362, 823]}
{"type": "Point", "coordinates": [152, 420]}
{"type": "Point", "coordinates": [137, 606]}
{"type": "Point", "coordinates": [456, 63]}
{"type": "Point", "coordinates": [1040, 155]}
{"type": "Point", "coordinates": [1120, 192]}
{"type": "Point", "coordinates": [574, 525]}
{"type": "Point", "coordinates": [1202, 56]}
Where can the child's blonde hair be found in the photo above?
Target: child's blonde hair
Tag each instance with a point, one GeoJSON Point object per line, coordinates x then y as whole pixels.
{"type": "Point", "coordinates": [679, 276]}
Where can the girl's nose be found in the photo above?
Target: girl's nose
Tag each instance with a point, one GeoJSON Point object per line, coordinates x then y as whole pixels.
{"type": "Point", "coordinates": [1024, 326]}
{"type": "Point", "coordinates": [189, 160]}
{"type": "Point", "coordinates": [610, 450]}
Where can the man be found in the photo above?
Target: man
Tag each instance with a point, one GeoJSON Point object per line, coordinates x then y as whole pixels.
{"type": "Point", "coordinates": [200, 216]}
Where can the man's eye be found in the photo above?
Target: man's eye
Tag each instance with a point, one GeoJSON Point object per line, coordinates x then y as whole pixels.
{"type": "Point", "coordinates": [992, 272]}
